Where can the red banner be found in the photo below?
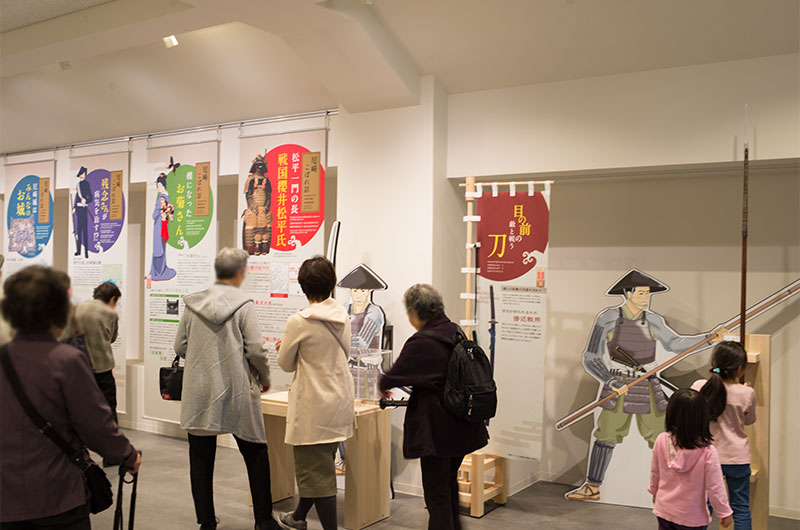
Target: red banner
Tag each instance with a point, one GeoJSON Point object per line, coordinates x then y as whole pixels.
{"type": "Point", "coordinates": [513, 232]}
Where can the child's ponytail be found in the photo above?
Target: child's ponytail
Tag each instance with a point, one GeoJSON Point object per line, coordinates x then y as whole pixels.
{"type": "Point", "coordinates": [727, 358]}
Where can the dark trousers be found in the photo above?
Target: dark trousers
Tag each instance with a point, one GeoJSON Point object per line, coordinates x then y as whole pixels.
{"type": "Point", "coordinates": [738, 479]}
{"type": "Point", "coordinates": [663, 524]}
{"type": "Point", "coordinates": [737, 476]}
{"type": "Point", "coordinates": [82, 230]}
{"type": "Point", "coordinates": [440, 487]}
{"type": "Point", "coordinates": [105, 380]}
{"type": "Point", "coordinates": [75, 519]}
{"type": "Point", "coordinates": [202, 453]}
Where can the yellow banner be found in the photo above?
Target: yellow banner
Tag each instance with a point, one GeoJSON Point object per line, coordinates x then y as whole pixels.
{"type": "Point", "coordinates": [310, 183]}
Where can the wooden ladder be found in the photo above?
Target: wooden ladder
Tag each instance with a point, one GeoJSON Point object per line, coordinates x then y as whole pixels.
{"type": "Point", "coordinates": [474, 489]}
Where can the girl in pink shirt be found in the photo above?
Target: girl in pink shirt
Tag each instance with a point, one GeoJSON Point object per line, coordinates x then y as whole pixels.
{"type": "Point", "coordinates": [685, 473]}
{"type": "Point", "coordinates": [732, 406]}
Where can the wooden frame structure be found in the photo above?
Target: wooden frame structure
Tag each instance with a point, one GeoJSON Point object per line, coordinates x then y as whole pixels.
{"type": "Point", "coordinates": [757, 375]}
{"type": "Point", "coordinates": [474, 490]}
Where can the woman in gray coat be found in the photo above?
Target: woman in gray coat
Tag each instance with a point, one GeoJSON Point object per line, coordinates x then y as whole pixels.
{"type": "Point", "coordinates": [226, 372]}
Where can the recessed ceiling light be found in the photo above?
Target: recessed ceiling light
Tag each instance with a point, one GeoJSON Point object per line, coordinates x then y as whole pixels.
{"type": "Point", "coordinates": [170, 41]}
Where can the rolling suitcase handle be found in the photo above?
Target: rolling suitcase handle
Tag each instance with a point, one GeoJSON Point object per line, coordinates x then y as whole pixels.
{"type": "Point", "coordinates": [118, 523]}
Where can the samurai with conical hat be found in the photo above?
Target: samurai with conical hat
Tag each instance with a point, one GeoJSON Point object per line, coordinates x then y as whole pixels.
{"type": "Point", "coordinates": [622, 346]}
{"type": "Point", "coordinates": [366, 318]}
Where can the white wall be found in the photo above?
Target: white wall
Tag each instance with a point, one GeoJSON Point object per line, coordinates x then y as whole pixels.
{"type": "Point", "coordinates": [686, 115]}
{"type": "Point", "coordinates": [402, 216]}
{"type": "Point", "coordinates": [385, 182]}
{"type": "Point", "coordinates": [680, 225]}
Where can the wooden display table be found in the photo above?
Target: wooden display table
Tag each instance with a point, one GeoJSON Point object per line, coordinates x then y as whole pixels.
{"type": "Point", "coordinates": [367, 473]}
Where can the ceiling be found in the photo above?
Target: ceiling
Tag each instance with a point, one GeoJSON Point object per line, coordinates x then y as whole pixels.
{"type": "Point", "coordinates": [477, 44]}
{"type": "Point", "coordinates": [15, 14]}
{"type": "Point", "coordinates": [242, 59]}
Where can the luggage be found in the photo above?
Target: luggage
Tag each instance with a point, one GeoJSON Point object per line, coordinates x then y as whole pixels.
{"type": "Point", "coordinates": [118, 522]}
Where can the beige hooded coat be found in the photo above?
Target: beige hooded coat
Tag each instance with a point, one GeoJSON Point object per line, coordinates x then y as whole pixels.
{"type": "Point", "coordinates": [321, 395]}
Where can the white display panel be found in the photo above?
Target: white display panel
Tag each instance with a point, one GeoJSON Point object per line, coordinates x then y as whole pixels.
{"type": "Point", "coordinates": [98, 240]}
{"type": "Point", "coordinates": [513, 232]}
{"type": "Point", "coordinates": [29, 215]}
{"type": "Point", "coordinates": [180, 247]}
{"type": "Point", "coordinates": [282, 204]}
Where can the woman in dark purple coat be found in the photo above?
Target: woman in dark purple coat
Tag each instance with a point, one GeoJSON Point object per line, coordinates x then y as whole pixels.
{"type": "Point", "coordinates": [430, 433]}
{"type": "Point", "coordinates": [39, 486]}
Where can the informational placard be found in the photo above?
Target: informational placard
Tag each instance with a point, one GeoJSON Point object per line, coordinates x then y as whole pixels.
{"type": "Point", "coordinates": [282, 205]}
{"type": "Point", "coordinates": [29, 215]}
{"type": "Point", "coordinates": [98, 239]}
{"type": "Point", "coordinates": [180, 247]}
{"type": "Point", "coordinates": [513, 232]}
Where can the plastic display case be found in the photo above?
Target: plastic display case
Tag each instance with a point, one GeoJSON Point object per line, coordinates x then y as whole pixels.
{"type": "Point", "coordinates": [367, 365]}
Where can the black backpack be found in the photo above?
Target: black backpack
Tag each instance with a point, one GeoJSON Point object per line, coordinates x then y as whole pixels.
{"type": "Point", "coordinates": [470, 393]}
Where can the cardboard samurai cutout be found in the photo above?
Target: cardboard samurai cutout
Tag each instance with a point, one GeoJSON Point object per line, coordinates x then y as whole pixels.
{"type": "Point", "coordinates": [622, 346]}
{"type": "Point", "coordinates": [257, 227]}
{"type": "Point", "coordinates": [367, 319]}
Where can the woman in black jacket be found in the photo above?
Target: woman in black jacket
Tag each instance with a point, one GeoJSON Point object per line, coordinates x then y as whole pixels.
{"type": "Point", "coordinates": [430, 433]}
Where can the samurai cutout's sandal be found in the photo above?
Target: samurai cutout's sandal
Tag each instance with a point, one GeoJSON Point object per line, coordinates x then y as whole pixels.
{"type": "Point", "coordinates": [587, 492]}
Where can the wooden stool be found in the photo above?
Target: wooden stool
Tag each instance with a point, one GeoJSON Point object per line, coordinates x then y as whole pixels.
{"type": "Point", "coordinates": [474, 490]}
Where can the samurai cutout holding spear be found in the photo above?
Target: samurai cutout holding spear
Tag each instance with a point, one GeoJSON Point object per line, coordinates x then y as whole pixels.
{"type": "Point", "coordinates": [622, 346]}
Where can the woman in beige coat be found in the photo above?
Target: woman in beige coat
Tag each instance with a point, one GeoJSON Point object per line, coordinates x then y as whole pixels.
{"type": "Point", "coordinates": [321, 396]}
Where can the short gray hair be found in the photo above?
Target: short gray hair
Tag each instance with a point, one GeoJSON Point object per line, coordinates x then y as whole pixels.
{"type": "Point", "coordinates": [230, 261]}
{"type": "Point", "coordinates": [426, 301]}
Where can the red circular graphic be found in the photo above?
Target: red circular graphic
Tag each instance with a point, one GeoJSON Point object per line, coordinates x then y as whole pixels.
{"type": "Point", "coordinates": [298, 200]}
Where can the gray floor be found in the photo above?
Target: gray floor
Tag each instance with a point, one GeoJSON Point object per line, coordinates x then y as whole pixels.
{"type": "Point", "coordinates": [164, 500]}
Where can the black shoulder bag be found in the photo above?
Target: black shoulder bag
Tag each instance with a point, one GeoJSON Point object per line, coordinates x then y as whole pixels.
{"type": "Point", "coordinates": [99, 486]}
{"type": "Point", "coordinates": [170, 380]}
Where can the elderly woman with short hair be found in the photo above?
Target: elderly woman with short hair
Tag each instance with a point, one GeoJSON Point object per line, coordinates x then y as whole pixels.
{"type": "Point", "coordinates": [226, 372]}
{"type": "Point", "coordinates": [39, 486]}
{"type": "Point", "coordinates": [316, 348]}
{"type": "Point", "coordinates": [430, 433]}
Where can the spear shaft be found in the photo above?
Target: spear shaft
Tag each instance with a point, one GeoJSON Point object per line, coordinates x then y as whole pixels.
{"type": "Point", "coordinates": [745, 200]}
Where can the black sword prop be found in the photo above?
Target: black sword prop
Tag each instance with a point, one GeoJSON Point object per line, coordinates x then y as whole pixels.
{"type": "Point", "coordinates": [385, 402]}
{"type": "Point", "coordinates": [492, 327]}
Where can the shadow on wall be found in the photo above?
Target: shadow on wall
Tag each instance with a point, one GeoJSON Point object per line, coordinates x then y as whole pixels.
{"type": "Point", "coordinates": [697, 366]}
{"type": "Point", "coordinates": [688, 210]}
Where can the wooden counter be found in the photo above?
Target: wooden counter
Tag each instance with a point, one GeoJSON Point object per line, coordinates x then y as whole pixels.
{"type": "Point", "coordinates": [368, 468]}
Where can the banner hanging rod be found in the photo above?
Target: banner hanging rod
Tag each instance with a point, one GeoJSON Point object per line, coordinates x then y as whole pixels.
{"type": "Point", "coordinates": [508, 183]}
{"type": "Point", "coordinates": [188, 130]}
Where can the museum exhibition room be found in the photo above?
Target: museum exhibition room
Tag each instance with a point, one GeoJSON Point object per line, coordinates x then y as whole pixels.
{"type": "Point", "coordinates": [401, 264]}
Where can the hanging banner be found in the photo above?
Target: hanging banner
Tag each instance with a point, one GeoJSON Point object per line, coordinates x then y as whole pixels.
{"type": "Point", "coordinates": [29, 215]}
{"type": "Point", "coordinates": [513, 233]}
{"type": "Point", "coordinates": [282, 213]}
{"type": "Point", "coordinates": [180, 247]}
{"type": "Point", "coordinates": [98, 239]}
